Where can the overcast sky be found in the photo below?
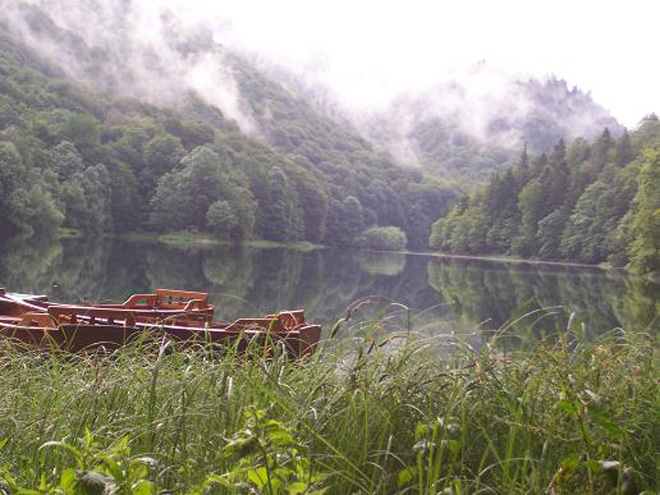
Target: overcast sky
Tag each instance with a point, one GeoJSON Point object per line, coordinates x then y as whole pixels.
{"type": "Point", "coordinates": [370, 50]}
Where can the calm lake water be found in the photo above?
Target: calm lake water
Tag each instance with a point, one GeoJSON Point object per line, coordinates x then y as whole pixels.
{"type": "Point", "coordinates": [443, 294]}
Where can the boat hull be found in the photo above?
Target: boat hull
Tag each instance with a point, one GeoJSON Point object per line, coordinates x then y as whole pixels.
{"type": "Point", "coordinates": [183, 316]}
{"type": "Point", "coordinates": [78, 337]}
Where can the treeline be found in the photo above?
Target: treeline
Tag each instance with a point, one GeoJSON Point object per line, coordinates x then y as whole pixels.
{"type": "Point", "coordinates": [99, 163]}
{"type": "Point", "coordinates": [588, 203]}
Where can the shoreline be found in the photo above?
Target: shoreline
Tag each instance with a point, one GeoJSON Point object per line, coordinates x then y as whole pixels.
{"type": "Point", "coordinates": [187, 239]}
{"type": "Point", "coordinates": [504, 259]}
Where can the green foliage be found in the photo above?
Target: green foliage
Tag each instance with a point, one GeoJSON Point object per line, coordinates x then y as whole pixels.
{"type": "Point", "coordinates": [282, 219]}
{"type": "Point", "coordinates": [222, 217]}
{"type": "Point", "coordinates": [314, 202]}
{"type": "Point", "coordinates": [82, 130]}
{"type": "Point", "coordinates": [162, 154]}
{"type": "Point", "coordinates": [87, 197]}
{"type": "Point", "coordinates": [165, 169]}
{"type": "Point", "coordinates": [235, 218]}
{"type": "Point", "coordinates": [380, 414]}
{"type": "Point", "coordinates": [384, 238]}
{"type": "Point", "coordinates": [66, 160]}
{"type": "Point", "coordinates": [35, 210]}
{"type": "Point", "coordinates": [549, 234]}
{"type": "Point", "coordinates": [26, 201]}
{"type": "Point", "coordinates": [344, 165]}
{"type": "Point", "coordinates": [203, 191]}
{"type": "Point", "coordinates": [93, 471]}
{"type": "Point", "coordinates": [587, 203]}
{"type": "Point", "coordinates": [444, 148]}
{"type": "Point", "coordinates": [437, 451]}
{"type": "Point", "coordinates": [264, 456]}
{"type": "Point", "coordinates": [645, 229]}
{"type": "Point", "coordinates": [269, 459]}
{"type": "Point", "coordinates": [345, 222]}
{"type": "Point", "coordinates": [585, 235]}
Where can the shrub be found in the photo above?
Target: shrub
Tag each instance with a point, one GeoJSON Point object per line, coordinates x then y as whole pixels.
{"type": "Point", "coordinates": [384, 238]}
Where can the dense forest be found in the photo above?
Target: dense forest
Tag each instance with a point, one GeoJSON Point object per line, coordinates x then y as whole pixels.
{"type": "Point", "coordinates": [98, 162]}
{"type": "Point", "coordinates": [587, 203]}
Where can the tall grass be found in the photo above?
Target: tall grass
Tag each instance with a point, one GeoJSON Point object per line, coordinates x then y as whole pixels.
{"type": "Point", "coordinates": [372, 414]}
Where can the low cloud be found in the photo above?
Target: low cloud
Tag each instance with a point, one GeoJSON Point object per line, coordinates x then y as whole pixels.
{"type": "Point", "coordinates": [161, 50]}
{"type": "Point", "coordinates": [139, 49]}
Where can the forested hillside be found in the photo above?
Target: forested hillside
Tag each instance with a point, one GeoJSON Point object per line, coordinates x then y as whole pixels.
{"type": "Point", "coordinates": [71, 156]}
{"type": "Point", "coordinates": [588, 203]}
{"type": "Point", "coordinates": [469, 128]}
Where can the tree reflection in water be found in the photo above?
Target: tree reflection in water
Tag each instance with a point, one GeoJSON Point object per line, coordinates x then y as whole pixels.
{"type": "Point", "coordinates": [459, 295]}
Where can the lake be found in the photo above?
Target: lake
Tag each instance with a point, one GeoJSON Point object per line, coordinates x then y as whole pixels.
{"type": "Point", "coordinates": [443, 294]}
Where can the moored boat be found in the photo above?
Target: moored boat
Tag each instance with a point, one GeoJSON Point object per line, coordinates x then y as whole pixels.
{"type": "Point", "coordinates": [180, 315]}
{"type": "Point", "coordinates": [157, 307]}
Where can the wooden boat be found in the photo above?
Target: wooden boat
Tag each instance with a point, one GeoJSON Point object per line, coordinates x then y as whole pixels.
{"type": "Point", "coordinates": [157, 307]}
{"type": "Point", "coordinates": [180, 315]}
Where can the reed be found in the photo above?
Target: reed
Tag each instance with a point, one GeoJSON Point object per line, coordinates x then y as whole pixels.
{"type": "Point", "coordinates": [370, 413]}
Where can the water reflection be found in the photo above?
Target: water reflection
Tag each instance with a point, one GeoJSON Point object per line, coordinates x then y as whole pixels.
{"type": "Point", "coordinates": [497, 293]}
{"type": "Point", "coordinates": [462, 294]}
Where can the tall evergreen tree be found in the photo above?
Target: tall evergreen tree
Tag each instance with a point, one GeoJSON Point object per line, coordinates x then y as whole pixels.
{"type": "Point", "coordinates": [645, 248]}
{"type": "Point", "coordinates": [624, 152]}
{"type": "Point", "coordinates": [602, 147]}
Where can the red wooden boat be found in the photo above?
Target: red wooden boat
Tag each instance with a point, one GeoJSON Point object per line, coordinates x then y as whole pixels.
{"type": "Point", "coordinates": [181, 315]}
{"type": "Point", "coordinates": [157, 307]}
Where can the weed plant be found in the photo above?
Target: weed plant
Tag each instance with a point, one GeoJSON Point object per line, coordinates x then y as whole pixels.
{"type": "Point", "coordinates": [369, 413]}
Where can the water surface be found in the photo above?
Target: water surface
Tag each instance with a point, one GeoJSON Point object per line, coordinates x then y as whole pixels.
{"type": "Point", "coordinates": [444, 294]}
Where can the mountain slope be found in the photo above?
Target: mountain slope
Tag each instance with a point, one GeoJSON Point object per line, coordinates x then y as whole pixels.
{"type": "Point", "coordinates": [455, 130]}
{"type": "Point", "coordinates": [467, 128]}
{"type": "Point", "coordinates": [98, 161]}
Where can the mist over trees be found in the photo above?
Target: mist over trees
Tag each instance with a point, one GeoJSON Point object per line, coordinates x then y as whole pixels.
{"type": "Point", "coordinates": [97, 162]}
{"type": "Point", "coordinates": [588, 203]}
{"type": "Point", "coordinates": [468, 128]}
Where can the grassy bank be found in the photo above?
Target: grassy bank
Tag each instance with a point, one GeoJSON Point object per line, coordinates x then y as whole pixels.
{"type": "Point", "coordinates": [186, 240]}
{"type": "Point", "coordinates": [362, 416]}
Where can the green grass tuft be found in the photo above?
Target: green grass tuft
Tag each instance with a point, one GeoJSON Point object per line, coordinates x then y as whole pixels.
{"type": "Point", "coordinates": [381, 414]}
